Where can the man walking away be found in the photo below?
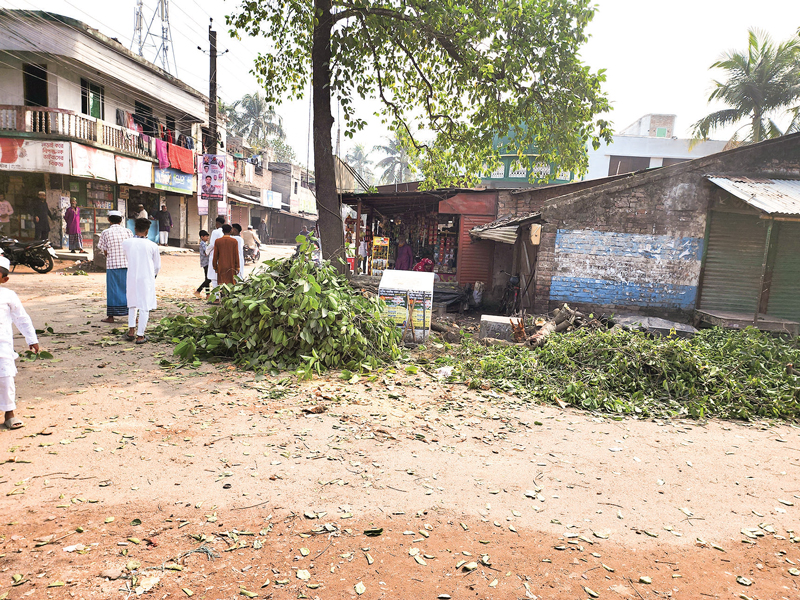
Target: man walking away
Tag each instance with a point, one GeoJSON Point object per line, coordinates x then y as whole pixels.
{"type": "Point", "coordinates": [110, 244]}
{"type": "Point", "coordinates": [226, 257]}
{"type": "Point", "coordinates": [164, 225]}
{"type": "Point", "coordinates": [215, 235]}
{"type": "Point", "coordinates": [236, 233]}
{"type": "Point", "coordinates": [41, 217]}
{"type": "Point", "coordinates": [144, 263]}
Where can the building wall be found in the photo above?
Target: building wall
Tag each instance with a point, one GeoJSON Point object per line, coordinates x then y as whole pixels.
{"type": "Point", "coordinates": [636, 243]}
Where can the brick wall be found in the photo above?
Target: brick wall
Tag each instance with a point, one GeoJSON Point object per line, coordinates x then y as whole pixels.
{"type": "Point", "coordinates": [635, 244]}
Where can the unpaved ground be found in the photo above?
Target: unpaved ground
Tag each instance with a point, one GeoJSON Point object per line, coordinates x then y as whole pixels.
{"type": "Point", "coordinates": [232, 482]}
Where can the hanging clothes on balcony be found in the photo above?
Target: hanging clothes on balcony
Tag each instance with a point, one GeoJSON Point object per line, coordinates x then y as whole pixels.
{"type": "Point", "coordinates": [169, 139]}
{"type": "Point", "coordinates": [121, 120]}
{"type": "Point", "coordinates": [181, 159]}
{"type": "Point", "coordinates": [162, 153]}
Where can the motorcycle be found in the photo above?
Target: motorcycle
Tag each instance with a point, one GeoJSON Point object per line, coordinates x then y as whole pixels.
{"type": "Point", "coordinates": [252, 255]}
{"type": "Point", "coordinates": [38, 255]}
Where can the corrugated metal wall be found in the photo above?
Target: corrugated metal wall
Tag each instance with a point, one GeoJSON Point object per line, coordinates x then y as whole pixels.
{"type": "Point", "coordinates": [734, 259]}
{"type": "Point", "coordinates": [784, 294]}
{"type": "Point", "coordinates": [474, 257]}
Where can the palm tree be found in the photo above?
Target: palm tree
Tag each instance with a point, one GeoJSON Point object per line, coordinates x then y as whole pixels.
{"type": "Point", "coordinates": [358, 158]}
{"type": "Point", "coordinates": [761, 82]}
{"type": "Point", "coordinates": [396, 166]}
{"type": "Point", "coordinates": [256, 121]}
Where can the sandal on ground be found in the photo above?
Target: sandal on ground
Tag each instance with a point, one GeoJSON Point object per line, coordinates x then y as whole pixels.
{"type": "Point", "coordinates": [108, 320]}
{"type": "Point", "coordinates": [130, 338]}
{"type": "Point", "coordinates": [13, 423]}
{"type": "Point", "coordinates": [144, 340]}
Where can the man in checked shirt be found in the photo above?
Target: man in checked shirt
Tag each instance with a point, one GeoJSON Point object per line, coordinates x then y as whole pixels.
{"type": "Point", "coordinates": [116, 266]}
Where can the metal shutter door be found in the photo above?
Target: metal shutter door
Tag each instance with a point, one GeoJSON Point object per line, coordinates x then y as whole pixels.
{"type": "Point", "coordinates": [784, 295]}
{"type": "Point", "coordinates": [735, 255]}
{"type": "Point", "coordinates": [474, 257]}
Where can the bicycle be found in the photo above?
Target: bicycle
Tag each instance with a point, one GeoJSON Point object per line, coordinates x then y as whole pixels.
{"type": "Point", "coordinates": [508, 305]}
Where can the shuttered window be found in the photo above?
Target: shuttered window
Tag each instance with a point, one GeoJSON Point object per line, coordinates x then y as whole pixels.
{"type": "Point", "coordinates": [784, 295]}
{"type": "Point", "coordinates": [732, 273]}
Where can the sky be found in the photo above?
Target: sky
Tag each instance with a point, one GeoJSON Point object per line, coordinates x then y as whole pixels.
{"type": "Point", "coordinates": [656, 54]}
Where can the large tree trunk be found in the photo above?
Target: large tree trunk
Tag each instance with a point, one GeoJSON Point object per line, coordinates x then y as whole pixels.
{"type": "Point", "coordinates": [330, 215]}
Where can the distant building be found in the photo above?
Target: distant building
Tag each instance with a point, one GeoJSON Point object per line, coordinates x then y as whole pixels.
{"type": "Point", "coordinates": [646, 144]}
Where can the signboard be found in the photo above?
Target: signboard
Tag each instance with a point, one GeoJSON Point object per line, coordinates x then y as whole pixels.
{"type": "Point", "coordinates": [133, 172]}
{"type": "Point", "coordinates": [409, 301]}
{"type": "Point", "coordinates": [271, 199]}
{"type": "Point", "coordinates": [93, 163]}
{"type": "Point", "coordinates": [173, 180]}
{"type": "Point", "coordinates": [211, 177]}
{"type": "Point", "coordinates": [17, 154]}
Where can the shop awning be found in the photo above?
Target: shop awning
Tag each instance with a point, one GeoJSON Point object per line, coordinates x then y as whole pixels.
{"type": "Point", "coordinates": [243, 199]}
{"type": "Point", "coordinates": [398, 203]}
{"type": "Point", "coordinates": [504, 230]}
{"type": "Point", "coordinates": [772, 196]}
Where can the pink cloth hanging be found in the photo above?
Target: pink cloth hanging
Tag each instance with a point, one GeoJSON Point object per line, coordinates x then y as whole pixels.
{"type": "Point", "coordinates": [162, 153]}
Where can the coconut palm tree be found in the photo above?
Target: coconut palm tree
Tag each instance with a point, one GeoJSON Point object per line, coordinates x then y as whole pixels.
{"type": "Point", "coordinates": [255, 121]}
{"type": "Point", "coordinates": [396, 166]}
{"type": "Point", "coordinates": [358, 158]}
{"type": "Point", "coordinates": [761, 83]}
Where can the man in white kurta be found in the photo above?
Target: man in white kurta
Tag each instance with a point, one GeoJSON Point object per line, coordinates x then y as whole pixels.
{"type": "Point", "coordinates": [144, 263]}
{"type": "Point", "coordinates": [11, 311]}
{"type": "Point", "coordinates": [237, 235]}
{"type": "Point", "coordinates": [215, 235]}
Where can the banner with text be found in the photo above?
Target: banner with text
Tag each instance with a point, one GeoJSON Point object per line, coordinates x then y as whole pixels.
{"type": "Point", "coordinates": [93, 163]}
{"type": "Point", "coordinates": [134, 172]}
{"type": "Point", "coordinates": [211, 177]}
{"type": "Point", "coordinates": [173, 180]}
{"type": "Point", "coordinates": [17, 154]}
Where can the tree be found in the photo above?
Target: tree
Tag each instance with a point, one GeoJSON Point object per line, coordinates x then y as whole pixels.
{"type": "Point", "coordinates": [396, 165]}
{"type": "Point", "coordinates": [760, 83]}
{"type": "Point", "coordinates": [358, 158]}
{"type": "Point", "coordinates": [255, 120]}
{"type": "Point", "coordinates": [450, 75]}
{"type": "Point", "coordinates": [283, 152]}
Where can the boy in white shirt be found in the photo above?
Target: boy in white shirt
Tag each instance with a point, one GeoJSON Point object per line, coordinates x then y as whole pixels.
{"type": "Point", "coordinates": [11, 311]}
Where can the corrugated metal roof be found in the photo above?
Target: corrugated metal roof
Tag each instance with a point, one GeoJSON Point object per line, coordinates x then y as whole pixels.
{"type": "Point", "coordinates": [772, 196]}
{"type": "Point", "coordinates": [505, 229]}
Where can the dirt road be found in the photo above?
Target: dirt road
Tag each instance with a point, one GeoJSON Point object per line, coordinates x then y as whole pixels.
{"type": "Point", "coordinates": [215, 483]}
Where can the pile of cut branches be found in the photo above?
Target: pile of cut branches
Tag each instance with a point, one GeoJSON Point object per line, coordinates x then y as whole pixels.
{"type": "Point", "coordinates": [730, 374]}
{"type": "Point", "coordinates": [292, 314]}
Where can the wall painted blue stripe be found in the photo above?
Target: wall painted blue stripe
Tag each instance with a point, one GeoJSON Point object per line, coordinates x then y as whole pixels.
{"type": "Point", "coordinates": [600, 291]}
{"type": "Point", "coordinates": [604, 243]}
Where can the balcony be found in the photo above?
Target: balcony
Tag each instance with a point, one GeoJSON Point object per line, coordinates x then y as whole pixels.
{"type": "Point", "coordinates": [37, 122]}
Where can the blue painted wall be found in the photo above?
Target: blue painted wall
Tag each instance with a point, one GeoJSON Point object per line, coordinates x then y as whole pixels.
{"type": "Point", "coordinates": [610, 268]}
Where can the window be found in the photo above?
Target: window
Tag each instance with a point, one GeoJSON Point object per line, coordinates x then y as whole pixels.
{"type": "Point", "coordinates": [34, 79]}
{"type": "Point", "coordinates": [295, 187]}
{"type": "Point", "coordinates": [92, 99]}
{"type": "Point", "coordinates": [661, 132]}
{"type": "Point", "coordinates": [499, 172]}
{"type": "Point", "coordinates": [540, 171]}
{"type": "Point", "coordinates": [627, 164]}
{"type": "Point", "coordinates": [517, 170]}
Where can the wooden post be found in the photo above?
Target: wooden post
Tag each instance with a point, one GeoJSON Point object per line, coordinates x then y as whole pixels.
{"type": "Point", "coordinates": [358, 238]}
{"type": "Point", "coordinates": [763, 273]}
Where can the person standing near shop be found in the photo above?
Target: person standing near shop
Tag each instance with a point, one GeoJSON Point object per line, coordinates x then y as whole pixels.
{"type": "Point", "coordinates": [362, 254]}
{"type": "Point", "coordinates": [72, 217]}
{"type": "Point", "coordinates": [215, 235]}
{"type": "Point", "coordinates": [41, 217]}
{"type": "Point", "coordinates": [164, 225]}
{"type": "Point", "coordinates": [140, 213]}
{"type": "Point", "coordinates": [405, 257]}
{"type": "Point", "coordinates": [226, 257]}
{"type": "Point", "coordinates": [144, 263]}
{"type": "Point", "coordinates": [110, 244]}
{"type": "Point", "coordinates": [6, 211]}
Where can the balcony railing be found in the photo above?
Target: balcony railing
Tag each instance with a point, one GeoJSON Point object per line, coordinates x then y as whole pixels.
{"type": "Point", "coordinates": [56, 121]}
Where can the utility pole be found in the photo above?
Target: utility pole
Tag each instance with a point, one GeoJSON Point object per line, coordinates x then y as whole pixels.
{"type": "Point", "coordinates": [212, 112]}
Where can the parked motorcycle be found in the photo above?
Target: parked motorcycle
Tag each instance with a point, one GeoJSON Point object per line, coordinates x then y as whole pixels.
{"type": "Point", "coordinates": [252, 255]}
{"type": "Point", "coordinates": [38, 255]}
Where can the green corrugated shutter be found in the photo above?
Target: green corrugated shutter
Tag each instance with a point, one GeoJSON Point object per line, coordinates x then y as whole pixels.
{"type": "Point", "coordinates": [784, 295]}
{"type": "Point", "coordinates": [735, 255]}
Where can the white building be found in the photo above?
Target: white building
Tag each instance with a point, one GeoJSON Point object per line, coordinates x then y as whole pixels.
{"type": "Point", "coordinates": [646, 144]}
{"type": "Point", "coordinates": [80, 116]}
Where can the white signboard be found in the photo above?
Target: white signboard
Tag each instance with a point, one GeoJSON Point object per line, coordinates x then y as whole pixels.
{"type": "Point", "coordinates": [17, 154]}
{"type": "Point", "coordinates": [134, 172]}
{"type": "Point", "coordinates": [271, 199]}
{"type": "Point", "coordinates": [93, 163]}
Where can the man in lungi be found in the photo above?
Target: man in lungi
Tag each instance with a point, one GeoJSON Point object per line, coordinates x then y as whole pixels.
{"type": "Point", "coordinates": [72, 216]}
{"type": "Point", "coordinates": [144, 263]}
{"type": "Point", "coordinates": [110, 244]}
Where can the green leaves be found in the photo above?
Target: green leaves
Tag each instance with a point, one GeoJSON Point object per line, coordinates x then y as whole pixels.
{"type": "Point", "coordinates": [292, 315]}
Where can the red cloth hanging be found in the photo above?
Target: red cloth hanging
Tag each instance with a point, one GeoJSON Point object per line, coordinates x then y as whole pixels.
{"type": "Point", "coordinates": [181, 158]}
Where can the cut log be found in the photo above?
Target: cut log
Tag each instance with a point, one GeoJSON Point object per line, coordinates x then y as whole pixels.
{"type": "Point", "coordinates": [563, 318]}
{"type": "Point", "coordinates": [496, 342]}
